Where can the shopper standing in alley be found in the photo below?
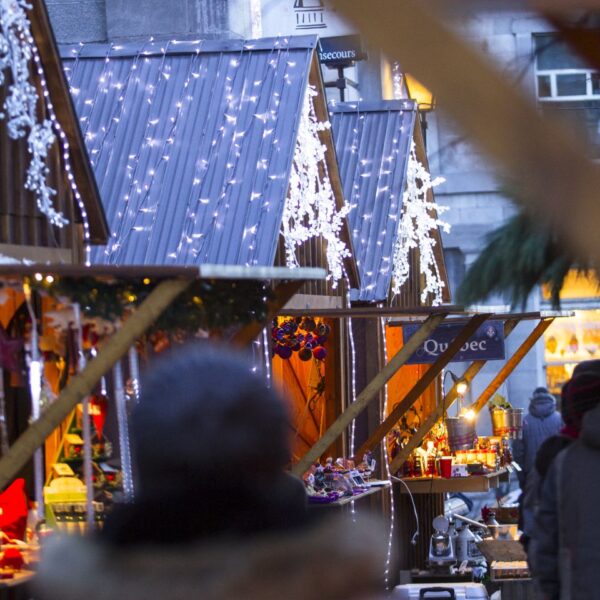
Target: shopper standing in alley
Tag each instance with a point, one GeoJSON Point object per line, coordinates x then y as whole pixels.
{"type": "Point", "coordinates": [567, 528]}
{"type": "Point", "coordinates": [541, 422]}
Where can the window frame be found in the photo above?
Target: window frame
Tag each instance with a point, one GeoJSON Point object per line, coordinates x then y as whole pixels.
{"type": "Point", "coordinates": [553, 73]}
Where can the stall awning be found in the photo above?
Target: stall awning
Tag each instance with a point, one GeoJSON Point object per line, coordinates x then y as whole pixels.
{"type": "Point", "coordinates": [192, 144]}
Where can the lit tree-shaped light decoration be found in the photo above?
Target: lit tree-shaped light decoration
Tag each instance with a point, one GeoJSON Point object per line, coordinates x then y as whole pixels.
{"type": "Point", "coordinates": [310, 210]}
{"type": "Point", "coordinates": [20, 106]}
{"type": "Point", "coordinates": [419, 220]}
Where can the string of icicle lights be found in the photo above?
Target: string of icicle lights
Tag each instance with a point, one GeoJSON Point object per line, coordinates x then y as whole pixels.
{"type": "Point", "coordinates": [20, 111]}
{"type": "Point", "coordinates": [310, 210]}
{"type": "Point", "coordinates": [418, 222]}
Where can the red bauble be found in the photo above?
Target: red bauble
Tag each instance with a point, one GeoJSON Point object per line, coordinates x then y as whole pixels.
{"type": "Point", "coordinates": [320, 353]}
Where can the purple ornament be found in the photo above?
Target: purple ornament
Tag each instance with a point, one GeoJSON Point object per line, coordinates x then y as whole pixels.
{"type": "Point", "coordinates": [285, 351]}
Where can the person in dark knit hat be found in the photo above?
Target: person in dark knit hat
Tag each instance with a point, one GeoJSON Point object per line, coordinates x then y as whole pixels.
{"type": "Point", "coordinates": [215, 515]}
{"type": "Point", "coordinates": [579, 395]}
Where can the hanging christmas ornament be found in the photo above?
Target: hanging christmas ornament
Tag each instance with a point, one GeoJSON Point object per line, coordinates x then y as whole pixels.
{"type": "Point", "coordinates": [98, 409]}
{"type": "Point", "coordinates": [320, 353]}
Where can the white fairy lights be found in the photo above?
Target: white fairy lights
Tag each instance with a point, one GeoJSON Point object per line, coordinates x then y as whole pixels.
{"type": "Point", "coordinates": [20, 109]}
{"type": "Point", "coordinates": [419, 220]}
{"type": "Point", "coordinates": [386, 461]}
{"type": "Point", "coordinates": [310, 210]}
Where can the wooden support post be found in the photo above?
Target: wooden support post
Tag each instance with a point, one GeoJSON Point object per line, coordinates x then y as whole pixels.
{"type": "Point", "coordinates": [370, 392]}
{"type": "Point", "coordinates": [443, 407]}
{"type": "Point", "coordinates": [419, 388]}
{"type": "Point", "coordinates": [81, 385]}
{"type": "Point", "coordinates": [511, 363]}
{"type": "Point", "coordinates": [283, 293]}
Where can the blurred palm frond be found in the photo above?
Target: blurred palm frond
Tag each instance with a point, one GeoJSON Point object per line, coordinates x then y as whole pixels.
{"type": "Point", "coordinates": [518, 256]}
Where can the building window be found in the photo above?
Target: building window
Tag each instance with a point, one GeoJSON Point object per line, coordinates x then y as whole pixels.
{"type": "Point", "coordinates": [568, 88]}
{"type": "Point", "coordinates": [561, 74]}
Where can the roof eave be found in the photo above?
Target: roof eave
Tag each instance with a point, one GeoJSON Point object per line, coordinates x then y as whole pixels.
{"type": "Point", "coordinates": [65, 111]}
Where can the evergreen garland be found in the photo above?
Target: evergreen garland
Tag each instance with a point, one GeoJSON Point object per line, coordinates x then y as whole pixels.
{"type": "Point", "coordinates": [206, 304]}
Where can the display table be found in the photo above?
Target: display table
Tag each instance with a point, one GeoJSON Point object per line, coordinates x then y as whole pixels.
{"type": "Point", "coordinates": [375, 487]}
{"type": "Point", "coordinates": [439, 485]}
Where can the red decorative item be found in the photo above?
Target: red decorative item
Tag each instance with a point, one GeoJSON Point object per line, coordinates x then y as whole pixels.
{"type": "Point", "coordinates": [13, 502]}
{"type": "Point", "coordinates": [320, 353]}
{"type": "Point", "coordinates": [98, 408]}
{"type": "Point", "coordinates": [9, 351]}
{"type": "Point", "coordinates": [12, 559]}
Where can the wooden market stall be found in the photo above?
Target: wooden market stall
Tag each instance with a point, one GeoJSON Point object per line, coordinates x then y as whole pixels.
{"type": "Point", "coordinates": [262, 165]}
{"type": "Point", "coordinates": [231, 302]}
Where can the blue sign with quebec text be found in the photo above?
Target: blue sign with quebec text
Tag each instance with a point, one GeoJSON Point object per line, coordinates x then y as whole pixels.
{"type": "Point", "coordinates": [487, 343]}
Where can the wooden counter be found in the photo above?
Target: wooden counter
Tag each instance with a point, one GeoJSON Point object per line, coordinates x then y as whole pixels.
{"type": "Point", "coordinates": [437, 485]}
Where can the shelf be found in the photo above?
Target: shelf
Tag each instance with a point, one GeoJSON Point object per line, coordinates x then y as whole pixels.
{"type": "Point", "coordinates": [348, 499]}
{"type": "Point", "coordinates": [440, 485]}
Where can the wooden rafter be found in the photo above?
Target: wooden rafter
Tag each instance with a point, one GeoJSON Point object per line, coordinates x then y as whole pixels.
{"type": "Point", "coordinates": [512, 363]}
{"type": "Point", "coordinates": [423, 383]}
{"type": "Point", "coordinates": [430, 422]}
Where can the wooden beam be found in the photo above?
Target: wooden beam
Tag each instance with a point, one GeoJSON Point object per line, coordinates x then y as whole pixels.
{"type": "Point", "coordinates": [82, 385]}
{"type": "Point", "coordinates": [423, 383]}
{"type": "Point", "coordinates": [512, 363]}
{"type": "Point", "coordinates": [368, 394]}
{"type": "Point", "coordinates": [283, 292]}
{"type": "Point", "coordinates": [442, 407]}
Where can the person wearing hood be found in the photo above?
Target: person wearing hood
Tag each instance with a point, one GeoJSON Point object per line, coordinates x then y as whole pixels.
{"type": "Point", "coordinates": [215, 515]}
{"type": "Point", "coordinates": [567, 552]}
{"type": "Point", "coordinates": [541, 422]}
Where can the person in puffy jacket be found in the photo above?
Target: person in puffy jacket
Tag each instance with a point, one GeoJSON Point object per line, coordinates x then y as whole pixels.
{"type": "Point", "coordinates": [541, 422]}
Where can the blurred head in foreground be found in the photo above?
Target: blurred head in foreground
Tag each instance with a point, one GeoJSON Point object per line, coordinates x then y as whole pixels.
{"type": "Point", "coordinates": [210, 443]}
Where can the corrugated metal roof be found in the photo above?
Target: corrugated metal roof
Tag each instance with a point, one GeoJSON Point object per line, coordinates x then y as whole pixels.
{"type": "Point", "coordinates": [372, 141]}
{"type": "Point", "coordinates": [192, 144]}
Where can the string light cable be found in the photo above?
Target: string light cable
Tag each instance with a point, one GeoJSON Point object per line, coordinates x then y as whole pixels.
{"type": "Point", "coordinates": [387, 462]}
{"type": "Point", "coordinates": [417, 532]}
